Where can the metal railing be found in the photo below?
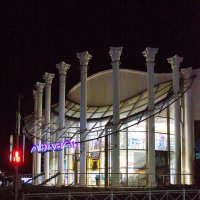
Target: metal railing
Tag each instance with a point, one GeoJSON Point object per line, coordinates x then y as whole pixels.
{"type": "Point", "coordinates": [118, 195]}
{"type": "Point", "coordinates": [136, 180]}
{"type": "Point", "coordinates": [50, 178]}
{"type": "Point", "coordinates": [32, 178]}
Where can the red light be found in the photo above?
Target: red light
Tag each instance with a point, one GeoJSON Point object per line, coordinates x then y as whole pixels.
{"type": "Point", "coordinates": [16, 156]}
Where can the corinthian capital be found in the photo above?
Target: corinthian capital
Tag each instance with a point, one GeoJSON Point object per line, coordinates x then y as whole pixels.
{"type": "Point", "coordinates": [175, 61]}
{"type": "Point", "coordinates": [187, 72]}
{"type": "Point", "coordinates": [84, 58]}
{"type": "Point", "coordinates": [39, 86]}
{"type": "Point", "coordinates": [35, 94]}
{"type": "Point", "coordinates": [150, 54]}
{"type": "Point", "coordinates": [115, 53]}
{"type": "Point", "coordinates": [48, 78]}
{"type": "Point", "coordinates": [62, 68]}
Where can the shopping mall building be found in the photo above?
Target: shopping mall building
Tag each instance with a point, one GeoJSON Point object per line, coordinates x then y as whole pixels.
{"type": "Point", "coordinates": [118, 127]}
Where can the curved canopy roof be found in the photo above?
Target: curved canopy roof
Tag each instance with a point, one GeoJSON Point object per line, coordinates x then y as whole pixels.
{"type": "Point", "coordinates": [133, 110]}
{"type": "Point", "coordinates": [99, 86]}
{"type": "Point", "coordinates": [133, 94]}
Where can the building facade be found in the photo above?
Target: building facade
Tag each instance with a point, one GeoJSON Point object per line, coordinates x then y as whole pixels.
{"type": "Point", "coordinates": [118, 127]}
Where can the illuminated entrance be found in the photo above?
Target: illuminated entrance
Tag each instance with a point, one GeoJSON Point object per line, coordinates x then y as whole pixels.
{"type": "Point", "coordinates": [133, 143]}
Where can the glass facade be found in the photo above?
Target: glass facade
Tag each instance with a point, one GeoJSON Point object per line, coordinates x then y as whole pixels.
{"type": "Point", "coordinates": [132, 132]}
{"type": "Point", "coordinates": [132, 153]}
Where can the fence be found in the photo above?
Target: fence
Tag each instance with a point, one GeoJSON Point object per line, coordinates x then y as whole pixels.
{"type": "Point", "coordinates": [119, 195]}
{"type": "Point", "coordinates": [136, 180]}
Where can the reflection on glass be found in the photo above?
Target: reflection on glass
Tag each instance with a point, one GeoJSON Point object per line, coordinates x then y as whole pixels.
{"type": "Point", "coordinates": [136, 160]}
{"type": "Point", "coordinates": [136, 140]}
{"type": "Point", "coordinates": [161, 142]}
{"type": "Point", "coordinates": [172, 143]}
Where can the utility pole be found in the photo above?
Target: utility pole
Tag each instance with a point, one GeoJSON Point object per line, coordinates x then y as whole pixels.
{"type": "Point", "coordinates": [18, 120]}
{"type": "Point", "coordinates": [17, 181]}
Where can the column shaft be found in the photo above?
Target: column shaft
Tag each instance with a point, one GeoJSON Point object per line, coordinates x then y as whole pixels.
{"type": "Point", "coordinates": [84, 59]}
{"type": "Point", "coordinates": [61, 127]}
{"type": "Point", "coordinates": [62, 67]}
{"type": "Point", "coordinates": [47, 129]}
{"type": "Point", "coordinates": [40, 87]}
{"type": "Point", "coordinates": [35, 131]}
{"type": "Point", "coordinates": [189, 131]}
{"type": "Point", "coordinates": [39, 132]}
{"type": "Point", "coordinates": [177, 130]}
{"type": "Point", "coordinates": [53, 154]}
{"type": "Point", "coordinates": [175, 64]}
{"type": "Point", "coordinates": [177, 126]}
{"type": "Point", "coordinates": [188, 137]}
{"type": "Point", "coordinates": [115, 53]}
{"type": "Point", "coordinates": [151, 126]}
{"type": "Point", "coordinates": [149, 54]}
{"type": "Point", "coordinates": [48, 80]}
{"type": "Point", "coordinates": [115, 162]}
{"type": "Point", "coordinates": [83, 122]}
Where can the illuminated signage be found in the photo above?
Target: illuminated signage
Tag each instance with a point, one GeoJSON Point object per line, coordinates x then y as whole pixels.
{"type": "Point", "coordinates": [57, 146]}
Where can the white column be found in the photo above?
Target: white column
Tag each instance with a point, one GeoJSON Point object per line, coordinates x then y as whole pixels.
{"type": "Point", "coordinates": [115, 53]}
{"type": "Point", "coordinates": [48, 81]}
{"type": "Point", "coordinates": [53, 154]}
{"type": "Point", "coordinates": [175, 64]}
{"type": "Point", "coordinates": [35, 94]}
{"type": "Point", "coordinates": [188, 124]}
{"type": "Point", "coordinates": [149, 55]}
{"type": "Point", "coordinates": [84, 58]}
{"type": "Point", "coordinates": [69, 158]}
{"type": "Point", "coordinates": [101, 157]}
{"type": "Point", "coordinates": [62, 67]}
{"type": "Point", "coordinates": [40, 87]}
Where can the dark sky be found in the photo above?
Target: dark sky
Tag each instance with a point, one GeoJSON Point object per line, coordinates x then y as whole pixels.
{"type": "Point", "coordinates": [37, 34]}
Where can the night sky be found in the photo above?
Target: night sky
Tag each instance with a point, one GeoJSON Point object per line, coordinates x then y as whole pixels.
{"type": "Point", "coordinates": [37, 34]}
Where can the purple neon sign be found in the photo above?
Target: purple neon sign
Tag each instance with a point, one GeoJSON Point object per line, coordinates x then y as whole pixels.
{"type": "Point", "coordinates": [57, 146]}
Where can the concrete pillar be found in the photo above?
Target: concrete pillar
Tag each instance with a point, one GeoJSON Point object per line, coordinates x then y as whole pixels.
{"type": "Point", "coordinates": [188, 127]}
{"type": "Point", "coordinates": [84, 58]}
{"type": "Point", "coordinates": [35, 95]}
{"type": "Point", "coordinates": [40, 87]}
{"type": "Point", "coordinates": [62, 67]}
{"type": "Point", "coordinates": [149, 55]}
{"type": "Point", "coordinates": [115, 53]}
{"type": "Point", "coordinates": [175, 64]}
{"type": "Point", "coordinates": [48, 81]}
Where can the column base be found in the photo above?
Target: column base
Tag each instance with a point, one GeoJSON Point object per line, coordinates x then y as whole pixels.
{"type": "Point", "coordinates": [115, 180]}
{"type": "Point", "coordinates": [60, 180]}
{"type": "Point", "coordinates": [37, 181]}
{"type": "Point", "coordinates": [82, 180]}
{"type": "Point", "coordinates": [151, 181]}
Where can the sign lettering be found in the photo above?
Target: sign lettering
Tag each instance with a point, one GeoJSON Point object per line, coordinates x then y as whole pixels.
{"type": "Point", "coordinates": [57, 146]}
